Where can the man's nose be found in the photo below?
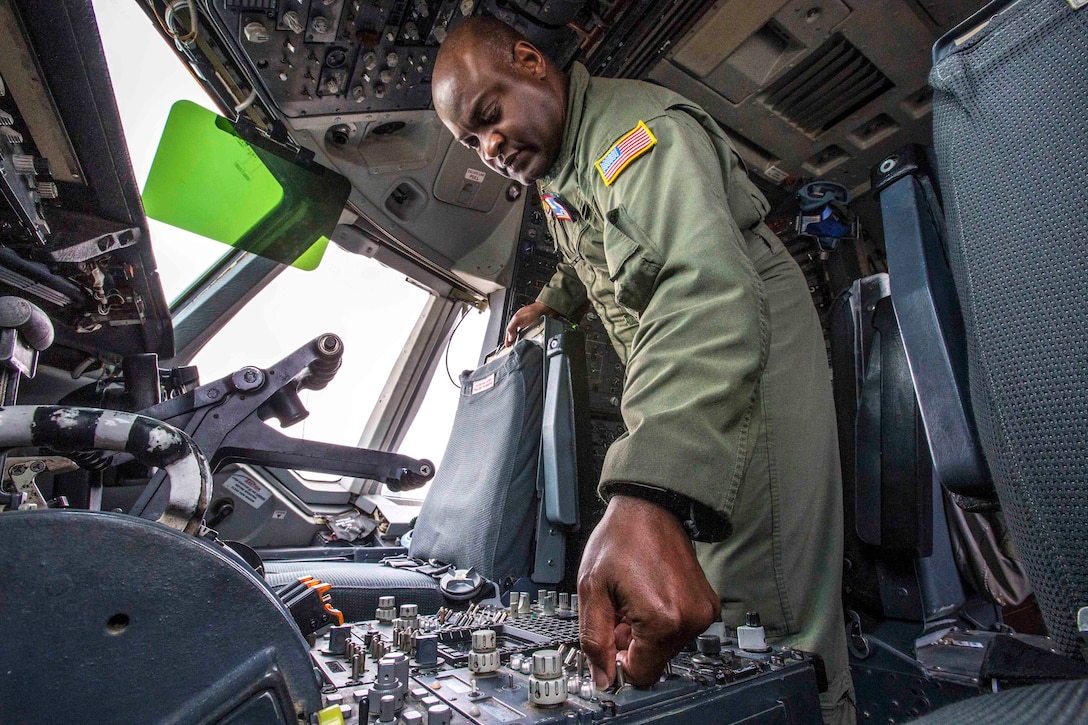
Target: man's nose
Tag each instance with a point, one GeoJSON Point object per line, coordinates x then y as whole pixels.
{"type": "Point", "coordinates": [491, 145]}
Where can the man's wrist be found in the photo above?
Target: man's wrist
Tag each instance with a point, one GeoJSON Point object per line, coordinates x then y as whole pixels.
{"type": "Point", "coordinates": [699, 521]}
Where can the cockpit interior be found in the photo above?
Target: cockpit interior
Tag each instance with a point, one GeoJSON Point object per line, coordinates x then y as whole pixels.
{"type": "Point", "coordinates": [241, 482]}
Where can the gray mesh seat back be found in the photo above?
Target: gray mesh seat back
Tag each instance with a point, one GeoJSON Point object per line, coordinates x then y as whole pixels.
{"type": "Point", "coordinates": [482, 503]}
{"type": "Point", "coordinates": [1011, 136]}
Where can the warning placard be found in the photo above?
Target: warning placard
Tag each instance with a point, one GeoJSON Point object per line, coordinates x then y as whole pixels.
{"type": "Point", "coordinates": [247, 489]}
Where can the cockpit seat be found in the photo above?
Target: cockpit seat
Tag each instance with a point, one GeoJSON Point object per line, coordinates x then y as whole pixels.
{"type": "Point", "coordinates": [1010, 89]}
{"type": "Point", "coordinates": [899, 555]}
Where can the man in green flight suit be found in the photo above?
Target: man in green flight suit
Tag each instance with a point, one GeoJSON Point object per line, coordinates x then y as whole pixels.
{"type": "Point", "coordinates": [727, 403]}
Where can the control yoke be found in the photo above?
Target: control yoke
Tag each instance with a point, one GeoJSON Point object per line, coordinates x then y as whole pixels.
{"type": "Point", "coordinates": [225, 418]}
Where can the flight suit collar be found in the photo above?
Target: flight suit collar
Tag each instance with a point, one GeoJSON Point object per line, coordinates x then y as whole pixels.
{"type": "Point", "coordinates": [576, 97]}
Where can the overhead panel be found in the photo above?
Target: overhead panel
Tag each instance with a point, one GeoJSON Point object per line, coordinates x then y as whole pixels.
{"type": "Point", "coordinates": [464, 181]}
{"type": "Point", "coordinates": [351, 82]}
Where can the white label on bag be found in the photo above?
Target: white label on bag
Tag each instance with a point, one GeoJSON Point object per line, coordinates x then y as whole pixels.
{"type": "Point", "coordinates": [486, 384]}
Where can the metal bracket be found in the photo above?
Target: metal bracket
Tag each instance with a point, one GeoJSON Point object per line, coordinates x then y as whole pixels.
{"type": "Point", "coordinates": [226, 420]}
{"type": "Point", "coordinates": [22, 473]}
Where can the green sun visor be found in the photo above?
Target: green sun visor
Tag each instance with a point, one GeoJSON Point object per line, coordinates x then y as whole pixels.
{"type": "Point", "coordinates": [207, 180]}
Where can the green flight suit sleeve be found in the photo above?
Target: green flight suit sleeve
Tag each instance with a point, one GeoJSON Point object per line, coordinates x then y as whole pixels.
{"type": "Point", "coordinates": [680, 263]}
{"type": "Point", "coordinates": [564, 292]}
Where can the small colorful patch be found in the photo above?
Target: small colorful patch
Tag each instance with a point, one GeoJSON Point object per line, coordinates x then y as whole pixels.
{"type": "Point", "coordinates": [633, 144]}
{"type": "Point", "coordinates": [556, 208]}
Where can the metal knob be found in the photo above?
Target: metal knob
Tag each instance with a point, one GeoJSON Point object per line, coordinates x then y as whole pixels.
{"type": "Point", "coordinates": [400, 671]}
{"type": "Point", "coordinates": [338, 640]}
{"type": "Point", "coordinates": [483, 659]}
{"type": "Point", "coordinates": [546, 663]}
{"type": "Point", "coordinates": [709, 644]}
{"type": "Point", "coordinates": [386, 609]}
{"type": "Point", "coordinates": [547, 686]}
{"type": "Point", "coordinates": [386, 684]}
{"type": "Point", "coordinates": [255, 32]}
{"type": "Point", "coordinates": [439, 715]}
{"type": "Point", "coordinates": [483, 640]}
{"type": "Point", "coordinates": [292, 21]}
{"type": "Point", "coordinates": [386, 713]}
{"type": "Point", "coordinates": [427, 650]}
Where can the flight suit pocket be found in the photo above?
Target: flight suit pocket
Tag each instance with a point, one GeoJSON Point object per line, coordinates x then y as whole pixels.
{"type": "Point", "coordinates": [632, 265]}
{"type": "Point", "coordinates": [769, 238]}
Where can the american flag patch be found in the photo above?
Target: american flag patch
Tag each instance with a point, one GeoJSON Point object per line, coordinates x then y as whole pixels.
{"type": "Point", "coordinates": [633, 144]}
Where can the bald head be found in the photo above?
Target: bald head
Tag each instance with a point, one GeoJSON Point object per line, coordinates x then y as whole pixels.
{"type": "Point", "coordinates": [499, 95]}
{"type": "Point", "coordinates": [480, 35]}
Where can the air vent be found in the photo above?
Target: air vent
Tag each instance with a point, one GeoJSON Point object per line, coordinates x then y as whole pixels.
{"type": "Point", "coordinates": [826, 87]}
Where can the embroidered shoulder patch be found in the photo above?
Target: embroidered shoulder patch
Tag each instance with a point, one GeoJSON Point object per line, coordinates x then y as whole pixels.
{"type": "Point", "coordinates": [631, 145]}
{"type": "Point", "coordinates": [553, 206]}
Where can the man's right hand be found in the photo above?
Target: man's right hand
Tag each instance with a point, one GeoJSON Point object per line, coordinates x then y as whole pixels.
{"type": "Point", "coordinates": [641, 593]}
{"type": "Point", "coordinates": [525, 317]}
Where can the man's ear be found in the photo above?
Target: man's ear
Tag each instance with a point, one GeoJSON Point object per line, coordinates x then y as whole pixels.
{"type": "Point", "coordinates": [530, 61]}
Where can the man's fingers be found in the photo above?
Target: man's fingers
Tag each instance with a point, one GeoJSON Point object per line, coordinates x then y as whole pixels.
{"type": "Point", "coordinates": [518, 322]}
{"type": "Point", "coordinates": [525, 317]}
{"type": "Point", "coordinates": [623, 635]}
{"type": "Point", "coordinates": [601, 680]}
{"type": "Point", "coordinates": [644, 661]}
{"type": "Point", "coordinates": [597, 627]}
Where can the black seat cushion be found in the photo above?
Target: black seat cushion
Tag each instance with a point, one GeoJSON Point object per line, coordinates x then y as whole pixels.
{"type": "Point", "coordinates": [357, 586]}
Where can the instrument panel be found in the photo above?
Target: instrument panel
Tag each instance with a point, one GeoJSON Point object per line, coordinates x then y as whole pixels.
{"type": "Point", "coordinates": [491, 664]}
{"type": "Point", "coordinates": [321, 57]}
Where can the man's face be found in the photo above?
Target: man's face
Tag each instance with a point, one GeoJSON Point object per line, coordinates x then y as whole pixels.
{"type": "Point", "coordinates": [509, 114]}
